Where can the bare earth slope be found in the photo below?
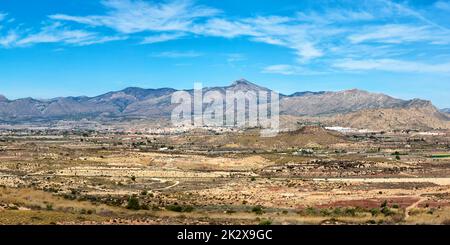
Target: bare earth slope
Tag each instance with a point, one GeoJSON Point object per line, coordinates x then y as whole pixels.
{"type": "Point", "coordinates": [412, 117]}
{"type": "Point", "coordinates": [308, 136]}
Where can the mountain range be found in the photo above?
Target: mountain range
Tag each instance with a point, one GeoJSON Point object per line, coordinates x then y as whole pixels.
{"type": "Point", "coordinates": [354, 108]}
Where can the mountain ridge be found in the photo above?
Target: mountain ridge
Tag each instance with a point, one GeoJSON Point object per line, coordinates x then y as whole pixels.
{"type": "Point", "coordinates": [445, 110]}
{"type": "Point", "coordinates": [135, 102]}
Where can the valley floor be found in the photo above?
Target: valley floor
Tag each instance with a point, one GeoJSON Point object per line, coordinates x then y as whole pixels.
{"type": "Point", "coordinates": [107, 178]}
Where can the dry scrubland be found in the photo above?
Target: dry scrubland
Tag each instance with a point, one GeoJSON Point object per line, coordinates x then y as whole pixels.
{"type": "Point", "coordinates": [307, 176]}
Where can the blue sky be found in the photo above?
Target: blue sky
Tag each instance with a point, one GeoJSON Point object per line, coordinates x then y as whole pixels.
{"type": "Point", "coordinates": [77, 47]}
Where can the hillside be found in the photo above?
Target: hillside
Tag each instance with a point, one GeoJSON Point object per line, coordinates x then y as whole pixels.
{"type": "Point", "coordinates": [308, 136]}
{"type": "Point", "coordinates": [421, 116]}
{"type": "Point", "coordinates": [338, 102]}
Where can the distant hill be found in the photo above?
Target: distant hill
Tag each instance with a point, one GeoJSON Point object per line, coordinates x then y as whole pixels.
{"type": "Point", "coordinates": [327, 103]}
{"type": "Point", "coordinates": [409, 117]}
{"type": "Point", "coordinates": [350, 108]}
{"type": "Point", "coordinates": [307, 136]}
{"type": "Point", "coordinates": [445, 110]}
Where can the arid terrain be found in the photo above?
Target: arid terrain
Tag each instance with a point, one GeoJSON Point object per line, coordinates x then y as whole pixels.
{"type": "Point", "coordinates": [311, 175]}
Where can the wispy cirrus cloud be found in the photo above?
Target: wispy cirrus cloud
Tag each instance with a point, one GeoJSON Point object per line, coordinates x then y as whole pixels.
{"type": "Point", "coordinates": [58, 33]}
{"type": "Point", "coordinates": [392, 65]}
{"type": "Point", "coordinates": [133, 16]}
{"type": "Point", "coordinates": [225, 28]}
{"type": "Point", "coordinates": [285, 69]}
{"type": "Point", "coordinates": [398, 34]}
{"type": "Point", "coordinates": [282, 69]}
{"type": "Point", "coordinates": [9, 39]}
{"type": "Point", "coordinates": [177, 54]}
{"type": "Point", "coordinates": [273, 30]}
{"type": "Point", "coordinates": [235, 57]}
{"type": "Point", "coordinates": [376, 32]}
{"type": "Point", "coordinates": [183, 16]}
{"type": "Point", "coordinates": [442, 5]}
{"type": "Point", "coordinates": [2, 16]}
{"type": "Point", "coordinates": [164, 37]}
{"type": "Point", "coordinates": [336, 15]}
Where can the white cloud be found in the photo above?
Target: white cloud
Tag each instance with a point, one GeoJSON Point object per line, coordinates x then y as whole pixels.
{"type": "Point", "coordinates": [285, 69]}
{"type": "Point", "coordinates": [235, 57]}
{"type": "Point", "coordinates": [162, 38]}
{"type": "Point", "coordinates": [100, 39]}
{"type": "Point", "coordinates": [2, 16]}
{"type": "Point", "coordinates": [273, 30]}
{"type": "Point", "coordinates": [442, 5]}
{"type": "Point", "coordinates": [182, 17]}
{"type": "Point", "coordinates": [404, 11]}
{"type": "Point", "coordinates": [9, 39]}
{"type": "Point", "coordinates": [57, 33]}
{"type": "Point", "coordinates": [307, 51]}
{"type": "Point", "coordinates": [269, 40]}
{"type": "Point", "coordinates": [371, 35]}
{"type": "Point", "coordinates": [397, 34]}
{"type": "Point", "coordinates": [392, 65]}
{"type": "Point", "coordinates": [91, 20]}
{"type": "Point", "coordinates": [335, 15]}
{"type": "Point", "coordinates": [225, 28]}
{"type": "Point", "coordinates": [178, 54]}
{"type": "Point", "coordinates": [280, 69]}
{"type": "Point", "coordinates": [132, 16]}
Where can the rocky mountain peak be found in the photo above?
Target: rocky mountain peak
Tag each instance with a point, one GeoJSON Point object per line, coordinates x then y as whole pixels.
{"type": "Point", "coordinates": [419, 103]}
{"type": "Point", "coordinates": [356, 91]}
{"type": "Point", "coordinates": [241, 81]}
{"type": "Point", "coordinates": [244, 85]}
{"type": "Point", "coordinates": [3, 98]}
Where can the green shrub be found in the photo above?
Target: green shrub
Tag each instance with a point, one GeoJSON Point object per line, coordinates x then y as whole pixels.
{"type": "Point", "coordinates": [375, 211]}
{"type": "Point", "coordinates": [325, 212]}
{"type": "Point", "coordinates": [49, 207]}
{"type": "Point", "coordinates": [311, 211]}
{"type": "Point", "coordinates": [350, 212]}
{"type": "Point", "coordinates": [387, 211]}
{"type": "Point", "coordinates": [133, 203]}
{"type": "Point", "coordinates": [265, 222]}
{"type": "Point", "coordinates": [180, 208]}
{"type": "Point", "coordinates": [337, 211]}
{"type": "Point", "coordinates": [257, 210]}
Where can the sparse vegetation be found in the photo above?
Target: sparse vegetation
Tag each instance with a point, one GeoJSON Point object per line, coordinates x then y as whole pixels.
{"type": "Point", "coordinates": [95, 180]}
{"type": "Point", "coordinates": [133, 203]}
{"type": "Point", "coordinates": [180, 208]}
{"type": "Point", "coordinates": [265, 222]}
{"type": "Point", "coordinates": [257, 210]}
